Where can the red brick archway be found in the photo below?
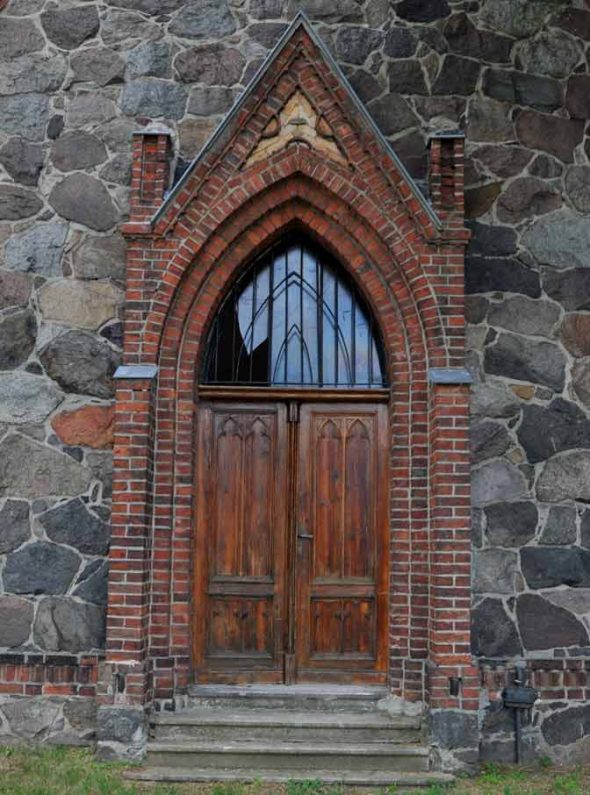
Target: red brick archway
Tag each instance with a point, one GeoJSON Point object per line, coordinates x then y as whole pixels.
{"type": "Point", "coordinates": [410, 270]}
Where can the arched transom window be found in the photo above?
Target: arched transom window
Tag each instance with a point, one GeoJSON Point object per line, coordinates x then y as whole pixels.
{"type": "Point", "coordinates": [294, 319]}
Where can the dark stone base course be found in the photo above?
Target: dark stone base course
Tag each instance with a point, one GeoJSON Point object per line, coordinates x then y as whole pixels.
{"type": "Point", "coordinates": [558, 725]}
{"type": "Point", "coordinates": [556, 728]}
{"type": "Point", "coordinates": [454, 740]}
{"type": "Point", "coordinates": [122, 733]}
{"type": "Point", "coordinates": [52, 720]}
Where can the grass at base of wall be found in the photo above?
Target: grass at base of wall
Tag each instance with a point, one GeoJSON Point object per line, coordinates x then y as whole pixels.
{"type": "Point", "coordinates": [73, 771]}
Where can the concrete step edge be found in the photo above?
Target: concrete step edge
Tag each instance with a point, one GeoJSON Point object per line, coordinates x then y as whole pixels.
{"type": "Point", "coordinates": [350, 749]}
{"type": "Point", "coordinates": [369, 692]}
{"type": "Point", "coordinates": [328, 720]}
{"type": "Point", "coordinates": [353, 778]}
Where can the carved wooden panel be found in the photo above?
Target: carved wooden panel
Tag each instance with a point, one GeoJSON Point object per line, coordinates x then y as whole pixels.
{"type": "Point", "coordinates": [241, 526]}
{"type": "Point", "coordinates": [291, 543]}
{"type": "Point", "coordinates": [342, 566]}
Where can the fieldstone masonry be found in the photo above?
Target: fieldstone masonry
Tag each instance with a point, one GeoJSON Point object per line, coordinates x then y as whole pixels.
{"type": "Point", "coordinates": [75, 80]}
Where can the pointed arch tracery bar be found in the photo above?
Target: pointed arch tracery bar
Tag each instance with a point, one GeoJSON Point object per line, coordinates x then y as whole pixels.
{"type": "Point", "coordinates": [294, 319]}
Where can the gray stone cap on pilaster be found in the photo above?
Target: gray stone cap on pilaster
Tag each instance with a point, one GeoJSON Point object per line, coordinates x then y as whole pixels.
{"type": "Point", "coordinates": [449, 375]}
{"type": "Point", "coordinates": [446, 134]}
{"type": "Point", "coordinates": [154, 128]}
{"type": "Point", "coordinates": [126, 372]}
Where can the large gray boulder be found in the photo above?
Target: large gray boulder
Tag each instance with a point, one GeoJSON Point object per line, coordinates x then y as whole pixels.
{"type": "Point", "coordinates": [17, 203]}
{"type": "Point", "coordinates": [577, 186]}
{"type": "Point", "coordinates": [84, 199]}
{"type": "Point", "coordinates": [80, 304]}
{"type": "Point", "coordinates": [211, 64]}
{"type": "Point", "coordinates": [100, 257]}
{"type": "Point", "coordinates": [566, 476]}
{"type": "Point", "coordinates": [496, 481]}
{"type": "Point", "coordinates": [17, 617]}
{"type": "Point", "coordinates": [153, 97]}
{"type": "Point", "coordinates": [549, 567]}
{"type": "Point", "coordinates": [64, 624]}
{"type": "Point", "coordinates": [25, 397]}
{"type": "Point", "coordinates": [81, 362]}
{"type": "Point", "coordinates": [493, 633]}
{"type": "Point", "coordinates": [561, 240]}
{"type": "Point", "coordinates": [40, 568]}
{"type": "Point", "coordinates": [567, 726]}
{"type": "Point", "coordinates": [99, 65]}
{"type": "Point", "coordinates": [23, 160]}
{"type": "Point", "coordinates": [465, 39]}
{"type": "Point", "coordinates": [564, 427]}
{"type": "Point", "coordinates": [14, 525]}
{"type": "Point", "coordinates": [15, 289]}
{"type": "Point", "coordinates": [25, 115]}
{"type": "Point", "coordinates": [29, 469]}
{"type": "Point", "coordinates": [526, 197]}
{"type": "Point", "coordinates": [577, 100]}
{"type": "Point", "coordinates": [571, 288]}
{"type": "Point", "coordinates": [151, 59]}
{"type": "Point", "coordinates": [500, 274]}
{"type": "Point", "coordinates": [560, 526]}
{"type": "Point", "coordinates": [525, 316]}
{"type": "Point", "coordinates": [203, 19]}
{"type": "Point", "coordinates": [552, 52]}
{"type": "Point", "coordinates": [69, 27]}
{"type": "Point", "coordinates": [559, 627]}
{"type": "Point", "coordinates": [493, 400]}
{"type": "Point", "coordinates": [511, 524]}
{"type": "Point", "coordinates": [32, 719]}
{"type": "Point", "coordinates": [76, 150]}
{"type": "Point", "coordinates": [92, 585]}
{"type": "Point", "coordinates": [494, 571]}
{"type": "Point", "coordinates": [488, 440]}
{"type": "Point", "coordinates": [38, 249]}
{"type": "Point", "coordinates": [210, 100]}
{"type": "Point", "coordinates": [89, 109]}
{"type": "Point", "coordinates": [19, 37]}
{"type": "Point", "coordinates": [519, 88]}
{"type": "Point", "coordinates": [581, 380]}
{"type": "Point", "coordinates": [517, 18]}
{"type": "Point", "coordinates": [37, 73]}
{"type": "Point", "coordinates": [553, 134]}
{"type": "Point", "coordinates": [17, 338]}
{"type": "Point", "coordinates": [355, 42]}
{"type": "Point", "coordinates": [73, 524]}
{"type": "Point", "coordinates": [487, 121]}
{"type": "Point", "coordinates": [526, 359]}
{"type": "Point", "coordinates": [340, 10]}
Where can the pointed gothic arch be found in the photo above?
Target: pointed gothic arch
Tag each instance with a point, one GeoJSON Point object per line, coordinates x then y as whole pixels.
{"type": "Point", "coordinates": [293, 317]}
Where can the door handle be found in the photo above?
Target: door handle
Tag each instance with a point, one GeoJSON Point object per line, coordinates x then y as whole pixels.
{"type": "Point", "coordinates": [306, 536]}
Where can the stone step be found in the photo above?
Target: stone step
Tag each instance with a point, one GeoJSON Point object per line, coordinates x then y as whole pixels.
{"type": "Point", "coordinates": [355, 778]}
{"type": "Point", "coordinates": [289, 756]}
{"type": "Point", "coordinates": [327, 698]}
{"type": "Point", "coordinates": [254, 725]}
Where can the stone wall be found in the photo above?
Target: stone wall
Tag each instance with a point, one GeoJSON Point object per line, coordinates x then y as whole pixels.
{"type": "Point", "coordinates": [77, 77]}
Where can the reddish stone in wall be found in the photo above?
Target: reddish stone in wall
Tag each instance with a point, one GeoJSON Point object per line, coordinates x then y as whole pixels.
{"type": "Point", "coordinates": [91, 426]}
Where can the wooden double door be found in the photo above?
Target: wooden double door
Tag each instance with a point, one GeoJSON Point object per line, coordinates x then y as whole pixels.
{"type": "Point", "coordinates": [290, 573]}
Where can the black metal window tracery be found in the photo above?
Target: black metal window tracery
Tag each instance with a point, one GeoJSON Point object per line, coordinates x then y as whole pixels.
{"type": "Point", "coordinates": [294, 319]}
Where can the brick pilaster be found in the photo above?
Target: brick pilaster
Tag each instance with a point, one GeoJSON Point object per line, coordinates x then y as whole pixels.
{"type": "Point", "coordinates": [125, 679]}
{"type": "Point", "coordinates": [450, 552]}
{"type": "Point", "coordinates": [447, 177]}
{"type": "Point", "coordinates": [150, 171]}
